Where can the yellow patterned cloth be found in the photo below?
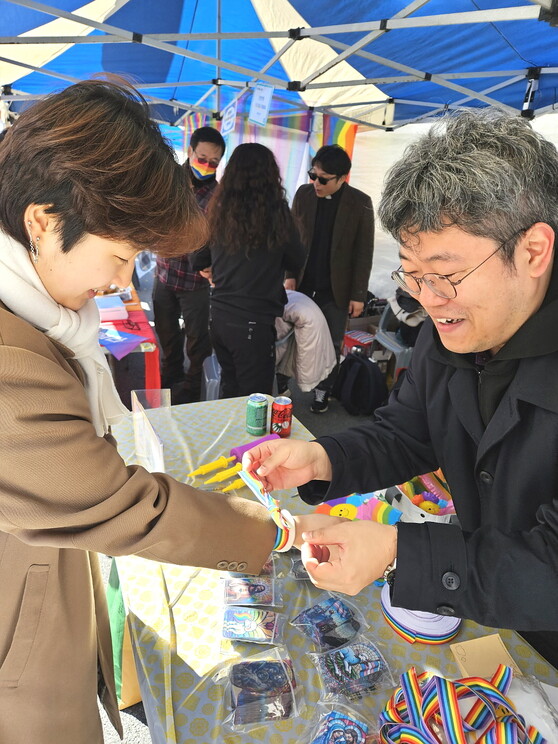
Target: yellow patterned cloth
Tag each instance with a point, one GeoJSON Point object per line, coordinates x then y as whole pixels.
{"type": "Point", "coordinates": [176, 613]}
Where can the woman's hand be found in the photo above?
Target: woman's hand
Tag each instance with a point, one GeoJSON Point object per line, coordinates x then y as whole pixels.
{"type": "Point", "coordinates": [287, 463]}
{"type": "Point", "coordinates": [309, 522]}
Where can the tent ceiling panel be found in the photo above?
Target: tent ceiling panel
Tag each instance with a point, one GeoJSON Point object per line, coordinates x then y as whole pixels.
{"type": "Point", "coordinates": [436, 55]}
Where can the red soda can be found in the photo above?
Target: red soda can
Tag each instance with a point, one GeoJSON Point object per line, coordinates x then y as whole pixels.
{"type": "Point", "coordinates": [281, 416]}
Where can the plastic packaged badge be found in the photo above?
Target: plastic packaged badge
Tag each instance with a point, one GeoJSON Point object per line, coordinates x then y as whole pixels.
{"type": "Point", "coordinates": [253, 625]}
{"type": "Point", "coordinates": [339, 726]}
{"type": "Point", "coordinates": [260, 690]}
{"type": "Point", "coordinates": [259, 590]}
{"type": "Point", "coordinates": [352, 671]}
{"type": "Point", "coordinates": [330, 623]}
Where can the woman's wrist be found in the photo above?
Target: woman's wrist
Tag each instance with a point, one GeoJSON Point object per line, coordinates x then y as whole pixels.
{"type": "Point", "coordinates": [286, 532]}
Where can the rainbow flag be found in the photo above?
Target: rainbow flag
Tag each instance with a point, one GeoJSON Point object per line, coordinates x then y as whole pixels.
{"type": "Point", "coordinates": [339, 132]}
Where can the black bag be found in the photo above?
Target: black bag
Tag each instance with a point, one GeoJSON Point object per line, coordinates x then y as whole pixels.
{"type": "Point", "coordinates": [360, 385]}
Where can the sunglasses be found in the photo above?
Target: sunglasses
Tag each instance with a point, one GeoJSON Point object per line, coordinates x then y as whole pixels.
{"type": "Point", "coordinates": [313, 176]}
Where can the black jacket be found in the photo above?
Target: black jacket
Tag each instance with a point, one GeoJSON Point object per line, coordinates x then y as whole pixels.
{"type": "Point", "coordinates": [250, 284]}
{"type": "Point", "coordinates": [503, 478]}
{"type": "Point", "coordinates": [352, 241]}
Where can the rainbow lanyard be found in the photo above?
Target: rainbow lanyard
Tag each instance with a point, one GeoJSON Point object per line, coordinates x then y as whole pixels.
{"type": "Point", "coordinates": [425, 703]}
{"type": "Point", "coordinates": [257, 488]}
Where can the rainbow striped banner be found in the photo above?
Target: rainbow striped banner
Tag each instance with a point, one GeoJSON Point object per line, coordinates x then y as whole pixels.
{"type": "Point", "coordinates": [339, 132]}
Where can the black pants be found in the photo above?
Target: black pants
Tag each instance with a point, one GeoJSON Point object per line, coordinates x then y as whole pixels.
{"type": "Point", "coordinates": [246, 352]}
{"type": "Point", "coordinates": [193, 306]}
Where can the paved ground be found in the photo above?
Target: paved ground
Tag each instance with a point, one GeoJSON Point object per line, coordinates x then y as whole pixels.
{"type": "Point", "coordinates": [129, 376]}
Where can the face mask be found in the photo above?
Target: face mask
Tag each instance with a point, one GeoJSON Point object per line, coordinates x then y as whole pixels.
{"type": "Point", "coordinates": [202, 171]}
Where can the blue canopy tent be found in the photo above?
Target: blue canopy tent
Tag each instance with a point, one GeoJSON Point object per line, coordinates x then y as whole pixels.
{"type": "Point", "coordinates": [378, 63]}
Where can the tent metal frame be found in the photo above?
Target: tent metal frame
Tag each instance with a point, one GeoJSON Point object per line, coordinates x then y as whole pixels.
{"type": "Point", "coordinates": [368, 32]}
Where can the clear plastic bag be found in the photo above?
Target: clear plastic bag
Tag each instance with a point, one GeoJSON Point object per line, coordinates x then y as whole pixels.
{"type": "Point", "coordinates": [352, 671]}
{"type": "Point", "coordinates": [250, 590]}
{"type": "Point", "coordinates": [339, 724]}
{"type": "Point", "coordinates": [330, 623]}
{"type": "Point", "coordinates": [298, 571]}
{"type": "Point", "coordinates": [253, 625]}
{"type": "Point", "coordinates": [259, 690]}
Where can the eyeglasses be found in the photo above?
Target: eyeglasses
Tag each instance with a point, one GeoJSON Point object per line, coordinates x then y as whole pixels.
{"type": "Point", "coordinates": [313, 176]}
{"type": "Point", "coordinates": [204, 161]}
{"type": "Point", "coordinates": [441, 284]}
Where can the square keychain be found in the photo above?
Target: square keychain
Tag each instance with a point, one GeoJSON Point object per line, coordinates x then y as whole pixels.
{"type": "Point", "coordinates": [258, 590]}
{"type": "Point", "coordinates": [253, 625]}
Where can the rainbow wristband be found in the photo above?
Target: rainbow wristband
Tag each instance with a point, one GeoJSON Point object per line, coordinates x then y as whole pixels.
{"type": "Point", "coordinates": [286, 530]}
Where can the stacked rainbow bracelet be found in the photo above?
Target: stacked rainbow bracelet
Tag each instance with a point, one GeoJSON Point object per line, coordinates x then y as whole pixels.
{"type": "Point", "coordinates": [283, 519]}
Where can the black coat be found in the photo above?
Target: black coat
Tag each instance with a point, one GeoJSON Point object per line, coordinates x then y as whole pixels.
{"type": "Point", "coordinates": [352, 241]}
{"type": "Point", "coordinates": [500, 567]}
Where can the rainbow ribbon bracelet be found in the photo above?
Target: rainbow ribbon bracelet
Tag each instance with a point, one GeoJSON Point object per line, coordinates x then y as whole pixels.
{"type": "Point", "coordinates": [285, 529]}
{"type": "Point", "coordinates": [425, 703]}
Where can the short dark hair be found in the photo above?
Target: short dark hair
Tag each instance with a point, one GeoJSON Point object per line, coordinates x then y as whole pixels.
{"type": "Point", "coordinates": [94, 156]}
{"type": "Point", "coordinates": [207, 134]}
{"type": "Point", "coordinates": [333, 159]}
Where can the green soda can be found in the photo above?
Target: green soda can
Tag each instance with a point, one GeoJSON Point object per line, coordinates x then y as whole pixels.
{"type": "Point", "coordinates": [256, 414]}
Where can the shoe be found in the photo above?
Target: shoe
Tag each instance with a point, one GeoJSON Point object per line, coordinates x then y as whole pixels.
{"type": "Point", "coordinates": [321, 401]}
{"type": "Point", "coordinates": [286, 393]}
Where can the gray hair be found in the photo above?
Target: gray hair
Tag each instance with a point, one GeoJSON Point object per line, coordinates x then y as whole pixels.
{"type": "Point", "coordinates": [485, 172]}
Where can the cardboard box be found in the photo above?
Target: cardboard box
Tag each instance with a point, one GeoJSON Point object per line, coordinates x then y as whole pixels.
{"type": "Point", "coordinates": [368, 323]}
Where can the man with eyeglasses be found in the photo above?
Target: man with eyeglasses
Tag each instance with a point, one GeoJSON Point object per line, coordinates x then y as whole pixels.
{"type": "Point", "coordinates": [474, 207]}
{"type": "Point", "coordinates": [181, 292]}
{"type": "Point", "coordinates": [336, 222]}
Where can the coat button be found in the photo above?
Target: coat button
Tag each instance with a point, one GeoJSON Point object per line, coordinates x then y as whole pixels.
{"type": "Point", "coordinates": [486, 478]}
{"type": "Point", "coordinates": [445, 610]}
{"type": "Point", "coordinates": [241, 566]}
{"type": "Point", "coordinates": [232, 566]}
{"type": "Point", "coordinates": [451, 580]}
{"type": "Point", "coordinates": [222, 565]}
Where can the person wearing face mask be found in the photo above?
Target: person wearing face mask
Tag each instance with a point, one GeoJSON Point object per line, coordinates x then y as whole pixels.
{"type": "Point", "coordinates": [180, 292]}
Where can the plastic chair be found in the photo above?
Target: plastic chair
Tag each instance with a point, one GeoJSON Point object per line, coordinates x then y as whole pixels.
{"type": "Point", "coordinates": [388, 340]}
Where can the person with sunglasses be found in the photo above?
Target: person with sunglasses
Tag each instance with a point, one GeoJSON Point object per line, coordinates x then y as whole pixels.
{"type": "Point", "coordinates": [180, 292]}
{"type": "Point", "coordinates": [473, 205]}
{"type": "Point", "coordinates": [336, 222]}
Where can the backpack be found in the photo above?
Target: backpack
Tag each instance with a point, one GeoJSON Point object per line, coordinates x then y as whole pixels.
{"type": "Point", "coordinates": [360, 385]}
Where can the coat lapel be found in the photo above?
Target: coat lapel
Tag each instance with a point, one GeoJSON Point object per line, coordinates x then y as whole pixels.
{"type": "Point", "coordinates": [534, 384]}
{"type": "Point", "coordinates": [462, 388]}
{"type": "Point", "coordinates": [343, 213]}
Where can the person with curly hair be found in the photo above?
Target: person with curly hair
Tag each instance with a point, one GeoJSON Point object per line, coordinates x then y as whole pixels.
{"type": "Point", "coordinates": [253, 241]}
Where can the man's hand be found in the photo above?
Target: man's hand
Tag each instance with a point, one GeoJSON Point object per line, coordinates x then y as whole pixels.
{"type": "Point", "coordinates": [347, 557]}
{"type": "Point", "coordinates": [355, 308]}
{"type": "Point", "coordinates": [287, 463]}
{"type": "Point", "coordinates": [290, 284]}
{"type": "Point", "coordinates": [207, 274]}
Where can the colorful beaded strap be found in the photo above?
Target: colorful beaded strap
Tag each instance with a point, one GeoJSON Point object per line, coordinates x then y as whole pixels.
{"type": "Point", "coordinates": [426, 703]}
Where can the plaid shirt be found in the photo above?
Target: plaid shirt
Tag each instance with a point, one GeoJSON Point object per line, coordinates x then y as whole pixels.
{"type": "Point", "coordinates": [177, 273]}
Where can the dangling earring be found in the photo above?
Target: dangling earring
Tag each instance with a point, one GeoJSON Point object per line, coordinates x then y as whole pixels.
{"type": "Point", "coordinates": [33, 247]}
